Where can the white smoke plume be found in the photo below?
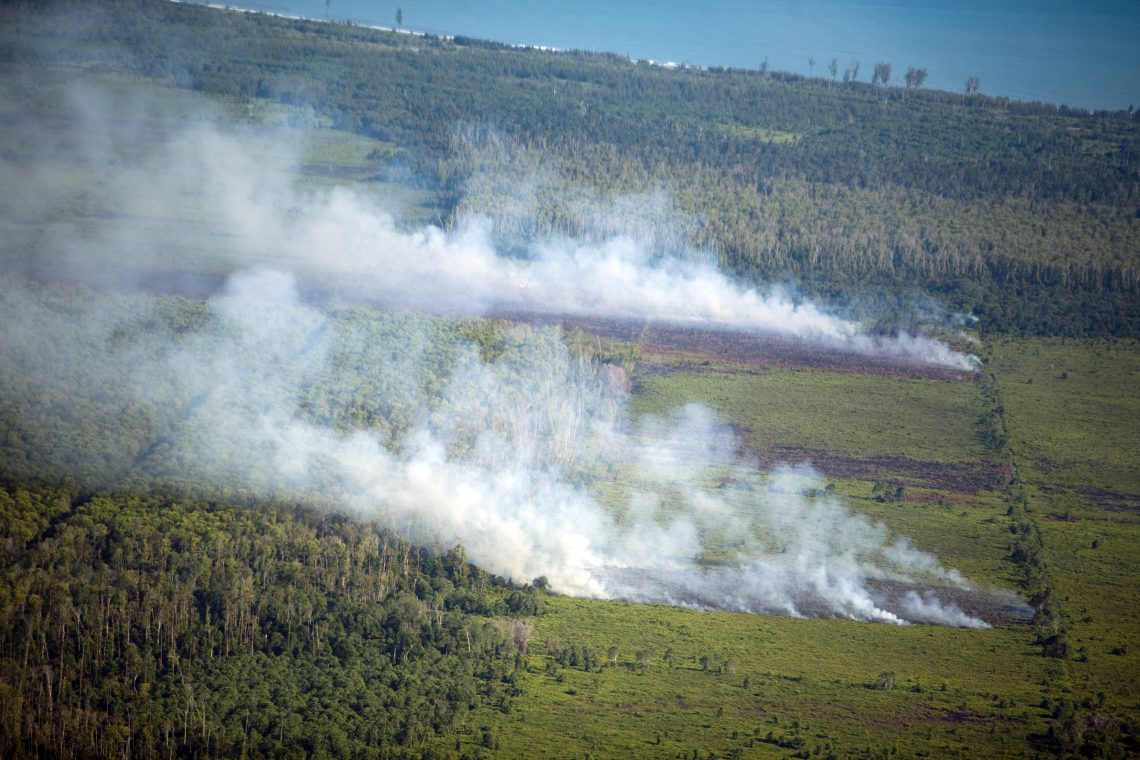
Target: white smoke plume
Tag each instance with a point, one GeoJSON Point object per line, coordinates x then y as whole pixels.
{"type": "Point", "coordinates": [620, 277]}
{"type": "Point", "coordinates": [528, 460]}
{"type": "Point", "coordinates": [525, 456]}
{"type": "Point", "coordinates": [237, 186]}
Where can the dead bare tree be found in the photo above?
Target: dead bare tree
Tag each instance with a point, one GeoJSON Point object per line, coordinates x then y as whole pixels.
{"type": "Point", "coordinates": [521, 631]}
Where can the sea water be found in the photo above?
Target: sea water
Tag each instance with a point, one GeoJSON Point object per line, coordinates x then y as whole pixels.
{"type": "Point", "coordinates": [1083, 54]}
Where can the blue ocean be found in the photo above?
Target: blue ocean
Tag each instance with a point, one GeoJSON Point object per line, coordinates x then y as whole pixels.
{"type": "Point", "coordinates": [1083, 54]}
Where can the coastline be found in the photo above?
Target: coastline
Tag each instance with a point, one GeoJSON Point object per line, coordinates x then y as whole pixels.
{"type": "Point", "coordinates": [1011, 71]}
{"type": "Point", "coordinates": [412, 32]}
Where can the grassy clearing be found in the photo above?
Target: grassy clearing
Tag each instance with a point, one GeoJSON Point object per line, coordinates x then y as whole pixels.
{"type": "Point", "coordinates": [905, 421]}
{"type": "Point", "coordinates": [854, 414]}
{"type": "Point", "coordinates": [971, 539]}
{"type": "Point", "coordinates": [725, 683]}
{"type": "Point", "coordinates": [683, 681]}
{"type": "Point", "coordinates": [1072, 410]}
{"type": "Point", "coordinates": [956, 691]}
{"type": "Point", "coordinates": [1097, 591]}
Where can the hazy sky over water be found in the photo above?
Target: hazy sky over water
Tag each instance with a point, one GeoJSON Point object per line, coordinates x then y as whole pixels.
{"type": "Point", "coordinates": [1079, 54]}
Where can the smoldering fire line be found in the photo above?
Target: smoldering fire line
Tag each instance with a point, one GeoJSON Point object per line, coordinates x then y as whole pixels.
{"type": "Point", "coordinates": [509, 455]}
{"type": "Point", "coordinates": [401, 418]}
{"type": "Point", "coordinates": [198, 202]}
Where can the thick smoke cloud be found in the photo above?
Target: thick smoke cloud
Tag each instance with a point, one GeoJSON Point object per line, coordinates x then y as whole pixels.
{"type": "Point", "coordinates": [529, 461]}
{"type": "Point", "coordinates": [527, 457]}
{"type": "Point", "coordinates": [366, 256]}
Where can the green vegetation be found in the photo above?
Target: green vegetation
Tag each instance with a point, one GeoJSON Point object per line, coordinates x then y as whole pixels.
{"type": "Point", "coordinates": [1070, 425]}
{"type": "Point", "coordinates": [156, 612]}
{"type": "Point", "coordinates": [862, 415]}
{"type": "Point", "coordinates": [1071, 408]}
{"type": "Point", "coordinates": [161, 626]}
{"type": "Point", "coordinates": [868, 435]}
{"type": "Point", "coordinates": [747, 686]}
{"type": "Point", "coordinates": [146, 610]}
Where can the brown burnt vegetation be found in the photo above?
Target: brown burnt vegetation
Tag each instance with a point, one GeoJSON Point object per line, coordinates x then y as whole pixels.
{"type": "Point", "coordinates": [690, 347]}
{"type": "Point", "coordinates": [956, 477]}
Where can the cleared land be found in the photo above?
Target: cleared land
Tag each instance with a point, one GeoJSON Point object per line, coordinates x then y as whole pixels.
{"type": "Point", "coordinates": [674, 681]}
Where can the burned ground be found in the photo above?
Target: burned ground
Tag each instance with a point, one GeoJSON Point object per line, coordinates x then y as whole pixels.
{"type": "Point", "coordinates": [676, 347]}
{"type": "Point", "coordinates": [957, 477]}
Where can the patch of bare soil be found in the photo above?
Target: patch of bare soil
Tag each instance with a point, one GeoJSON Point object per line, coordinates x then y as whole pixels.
{"type": "Point", "coordinates": [960, 715]}
{"type": "Point", "coordinates": [1066, 517]}
{"type": "Point", "coordinates": [688, 345]}
{"type": "Point", "coordinates": [1103, 499]}
{"type": "Point", "coordinates": [995, 606]}
{"type": "Point", "coordinates": [927, 496]}
{"type": "Point", "coordinates": [959, 477]}
{"type": "Point", "coordinates": [1116, 501]}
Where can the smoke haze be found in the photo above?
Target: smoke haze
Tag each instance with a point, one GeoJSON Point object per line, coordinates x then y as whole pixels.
{"type": "Point", "coordinates": [203, 198]}
{"type": "Point", "coordinates": [517, 447]}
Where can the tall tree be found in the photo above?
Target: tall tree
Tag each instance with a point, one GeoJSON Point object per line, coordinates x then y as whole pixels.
{"type": "Point", "coordinates": [972, 85]}
{"type": "Point", "coordinates": [399, 17]}
{"type": "Point", "coordinates": [915, 76]}
{"type": "Point", "coordinates": [881, 74]}
{"type": "Point", "coordinates": [811, 65]}
{"type": "Point", "coordinates": [833, 67]}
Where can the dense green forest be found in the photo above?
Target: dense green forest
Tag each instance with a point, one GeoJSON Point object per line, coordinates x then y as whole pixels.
{"type": "Point", "coordinates": [1023, 213]}
{"type": "Point", "coordinates": [151, 626]}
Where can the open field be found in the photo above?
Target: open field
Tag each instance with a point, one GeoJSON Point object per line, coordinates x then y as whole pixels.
{"type": "Point", "coordinates": [732, 684]}
{"type": "Point", "coordinates": [1072, 408]}
{"type": "Point", "coordinates": [736, 685]}
{"type": "Point", "coordinates": [610, 678]}
{"type": "Point", "coordinates": [1072, 418]}
{"type": "Point", "coordinates": [852, 414]}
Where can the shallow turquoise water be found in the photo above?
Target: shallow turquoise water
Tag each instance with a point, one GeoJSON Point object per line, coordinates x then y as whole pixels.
{"type": "Point", "coordinates": [1083, 54]}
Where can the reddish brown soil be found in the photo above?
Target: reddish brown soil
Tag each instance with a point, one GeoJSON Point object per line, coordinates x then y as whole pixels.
{"type": "Point", "coordinates": [995, 606]}
{"type": "Point", "coordinates": [921, 496]}
{"type": "Point", "coordinates": [1067, 517]}
{"type": "Point", "coordinates": [727, 587]}
{"type": "Point", "coordinates": [1105, 499]}
{"type": "Point", "coordinates": [1114, 501]}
